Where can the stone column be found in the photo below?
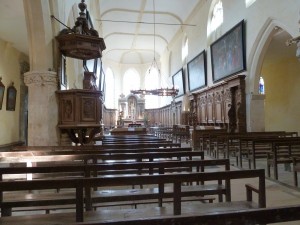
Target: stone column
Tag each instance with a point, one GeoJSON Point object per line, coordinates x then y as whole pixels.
{"type": "Point", "coordinates": [42, 108]}
{"type": "Point", "coordinates": [256, 119]}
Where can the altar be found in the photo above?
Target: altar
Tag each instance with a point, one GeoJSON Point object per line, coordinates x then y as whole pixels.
{"type": "Point", "coordinates": [128, 131]}
{"type": "Point", "coordinates": [130, 123]}
{"type": "Point", "coordinates": [132, 109]}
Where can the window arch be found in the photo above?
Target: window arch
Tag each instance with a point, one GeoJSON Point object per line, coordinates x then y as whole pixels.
{"type": "Point", "coordinates": [109, 89]}
{"type": "Point", "coordinates": [151, 82]}
{"type": "Point", "coordinates": [185, 49]}
{"type": "Point", "coordinates": [216, 17]}
{"type": "Point", "coordinates": [131, 81]}
{"type": "Point", "coordinates": [249, 2]}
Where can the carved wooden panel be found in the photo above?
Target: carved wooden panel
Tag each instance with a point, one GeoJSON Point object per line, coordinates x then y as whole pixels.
{"type": "Point", "coordinates": [219, 106]}
{"type": "Point", "coordinates": [88, 109]}
{"type": "Point", "coordinates": [227, 104]}
{"type": "Point", "coordinates": [68, 109]}
{"type": "Point", "coordinates": [223, 104]}
{"type": "Point", "coordinates": [79, 107]}
{"type": "Point", "coordinates": [210, 108]}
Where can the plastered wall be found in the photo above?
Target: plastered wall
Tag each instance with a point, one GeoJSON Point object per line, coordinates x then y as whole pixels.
{"type": "Point", "coordinates": [10, 72]}
{"type": "Point", "coordinates": [282, 108]}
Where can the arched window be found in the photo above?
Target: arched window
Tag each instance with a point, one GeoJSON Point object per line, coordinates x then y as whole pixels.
{"type": "Point", "coordinates": [216, 16]}
{"type": "Point", "coordinates": [110, 102]}
{"type": "Point", "coordinates": [131, 81]}
{"type": "Point", "coordinates": [151, 82]}
{"type": "Point", "coordinates": [185, 49]}
{"type": "Point", "coordinates": [249, 2]}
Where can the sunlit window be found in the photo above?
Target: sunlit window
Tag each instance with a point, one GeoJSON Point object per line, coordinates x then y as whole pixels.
{"type": "Point", "coordinates": [109, 89]}
{"type": "Point", "coordinates": [249, 2]}
{"type": "Point", "coordinates": [185, 49]}
{"type": "Point", "coordinates": [131, 81]}
{"type": "Point", "coordinates": [217, 16]}
{"type": "Point", "coordinates": [151, 82]}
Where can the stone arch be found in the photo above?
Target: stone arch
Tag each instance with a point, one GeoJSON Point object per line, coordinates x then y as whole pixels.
{"type": "Point", "coordinates": [255, 102]}
{"type": "Point", "coordinates": [258, 50]}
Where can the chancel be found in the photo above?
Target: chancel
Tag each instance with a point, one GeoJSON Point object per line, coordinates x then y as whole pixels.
{"type": "Point", "coordinates": [149, 112]}
{"type": "Point", "coordinates": [133, 108]}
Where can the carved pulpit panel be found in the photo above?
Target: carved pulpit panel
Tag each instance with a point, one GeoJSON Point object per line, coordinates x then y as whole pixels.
{"type": "Point", "coordinates": [80, 114]}
{"type": "Point", "coordinates": [67, 105]}
{"type": "Point", "coordinates": [89, 109]}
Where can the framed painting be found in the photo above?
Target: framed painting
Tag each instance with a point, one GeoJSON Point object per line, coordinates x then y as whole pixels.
{"type": "Point", "coordinates": [197, 72]}
{"type": "Point", "coordinates": [11, 98]}
{"type": "Point", "coordinates": [178, 82]}
{"type": "Point", "coordinates": [2, 89]}
{"type": "Point", "coordinates": [228, 55]}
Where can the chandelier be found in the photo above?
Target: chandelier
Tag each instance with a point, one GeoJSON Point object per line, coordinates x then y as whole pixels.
{"type": "Point", "coordinates": [159, 91]}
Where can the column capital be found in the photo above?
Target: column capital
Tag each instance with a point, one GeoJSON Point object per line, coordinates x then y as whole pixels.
{"type": "Point", "coordinates": [41, 78]}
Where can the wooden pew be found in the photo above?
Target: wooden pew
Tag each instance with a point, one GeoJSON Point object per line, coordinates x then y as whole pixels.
{"type": "Point", "coordinates": [67, 172]}
{"type": "Point", "coordinates": [181, 132]}
{"type": "Point", "coordinates": [94, 158]}
{"type": "Point", "coordinates": [164, 132]}
{"type": "Point", "coordinates": [237, 143]}
{"type": "Point", "coordinates": [109, 142]}
{"type": "Point", "coordinates": [268, 215]}
{"type": "Point", "coordinates": [283, 152]}
{"type": "Point", "coordinates": [82, 186]}
{"type": "Point", "coordinates": [296, 169]}
{"type": "Point", "coordinates": [259, 147]}
{"type": "Point", "coordinates": [70, 150]}
{"type": "Point", "coordinates": [100, 147]}
{"type": "Point", "coordinates": [199, 135]}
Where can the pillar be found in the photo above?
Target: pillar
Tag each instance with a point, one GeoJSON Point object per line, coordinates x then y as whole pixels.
{"type": "Point", "coordinates": [257, 112]}
{"type": "Point", "coordinates": [42, 82]}
{"type": "Point", "coordinates": [42, 108]}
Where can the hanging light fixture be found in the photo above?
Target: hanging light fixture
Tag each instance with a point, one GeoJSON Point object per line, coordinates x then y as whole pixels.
{"type": "Point", "coordinates": [154, 66]}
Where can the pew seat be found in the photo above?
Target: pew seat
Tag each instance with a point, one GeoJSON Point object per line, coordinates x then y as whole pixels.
{"type": "Point", "coordinates": [177, 207]}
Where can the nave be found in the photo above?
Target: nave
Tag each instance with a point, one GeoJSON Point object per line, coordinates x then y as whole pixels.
{"type": "Point", "coordinates": [277, 194]}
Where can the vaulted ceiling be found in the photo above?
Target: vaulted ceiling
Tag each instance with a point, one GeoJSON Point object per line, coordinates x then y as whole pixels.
{"type": "Point", "coordinates": [127, 27]}
{"type": "Point", "coordinates": [129, 31]}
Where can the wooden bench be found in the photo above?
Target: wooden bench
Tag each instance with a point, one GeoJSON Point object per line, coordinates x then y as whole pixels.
{"type": "Point", "coordinates": [70, 150]}
{"type": "Point", "coordinates": [106, 142]}
{"type": "Point", "coordinates": [283, 152]}
{"type": "Point", "coordinates": [268, 215]}
{"type": "Point", "coordinates": [200, 133]}
{"type": "Point", "coordinates": [66, 172]}
{"type": "Point", "coordinates": [254, 147]}
{"type": "Point", "coordinates": [99, 147]}
{"type": "Point", "coordinates": [296, 169]}
{"type": "Point", "coordinates": [164, 132]}
{"type": "Point", "coordinates": [83, 186]}
{"type": "Point", "coordinates": [94, 158]}
{"type": "Point", "coordinates": [228, 143]}
{"type": "Point", "coordinates": [181, 133]}
{"type": "Point", "coordinates": [235, 144]}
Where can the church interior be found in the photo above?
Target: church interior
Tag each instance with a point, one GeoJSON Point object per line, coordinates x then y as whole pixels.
{"type": "Point", "coordinates": [149, 111]}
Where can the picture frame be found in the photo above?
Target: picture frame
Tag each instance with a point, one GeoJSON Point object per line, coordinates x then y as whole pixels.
{"type": "Point", "coordinates": [11, 98]}
{"type": "Point", "coordinates": [178, 82]}
{"type": "Point", "coordinates": [197, 72]}
{"type": "Point", "coordinates": [228, 56]}
{"type": "Point", "coordinates": [2, 91]}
